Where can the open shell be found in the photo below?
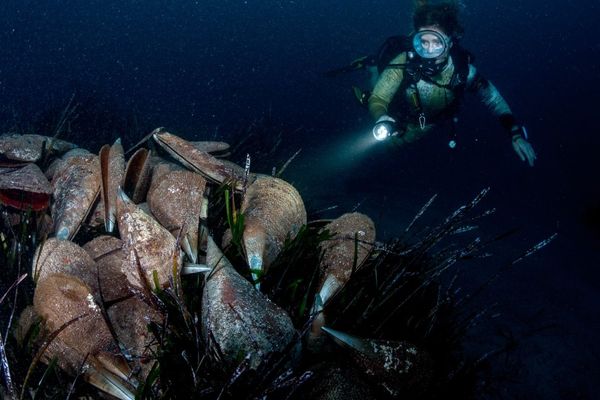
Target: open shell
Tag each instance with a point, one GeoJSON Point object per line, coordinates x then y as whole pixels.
{"type": "Point", "coordinates": [138, 174]}
{"type": "Point", "coordinates": [25, 188]}
{"type": "Point", "coordinates": [197, 160]}
{"type": "Point", "coordinates": [112, 166]}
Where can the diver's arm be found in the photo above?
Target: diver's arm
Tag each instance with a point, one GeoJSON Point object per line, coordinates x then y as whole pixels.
{"type": "Point", "coordinates": [491, 97]}
{"type": "Point", "coordinates": [386, 87]}
{"type": "Point", "coordinates": [493, 100]}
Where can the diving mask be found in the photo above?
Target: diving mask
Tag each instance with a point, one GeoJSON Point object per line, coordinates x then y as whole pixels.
{"type": "Point", "coordinates": [430, 44]}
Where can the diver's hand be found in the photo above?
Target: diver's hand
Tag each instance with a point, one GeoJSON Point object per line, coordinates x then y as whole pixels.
{"type": "Point", "coordinates": [523, 149]}
{"type": "Point", "coordinates": [385, 118]}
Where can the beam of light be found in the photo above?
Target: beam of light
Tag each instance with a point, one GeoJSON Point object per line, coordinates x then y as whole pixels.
{"type": "Point", "coordinates": [343, 152]}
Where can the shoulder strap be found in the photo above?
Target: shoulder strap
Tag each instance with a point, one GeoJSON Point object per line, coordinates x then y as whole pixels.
{"type": "Point", "coordinates": [461, 59]}
{"type": "Point", "coordinates": [393, 46]}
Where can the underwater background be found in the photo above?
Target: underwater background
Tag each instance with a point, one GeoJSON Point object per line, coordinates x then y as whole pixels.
{"type": "Point", "coordinates": [219, 69]}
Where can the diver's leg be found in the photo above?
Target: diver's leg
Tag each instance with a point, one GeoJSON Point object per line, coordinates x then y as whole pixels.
{"type": "Point", "coordinates": [373, 75]}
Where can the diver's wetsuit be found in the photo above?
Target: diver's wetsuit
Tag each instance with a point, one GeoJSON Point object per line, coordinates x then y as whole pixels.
{"type": "Point", "coordinates": [394, 95]}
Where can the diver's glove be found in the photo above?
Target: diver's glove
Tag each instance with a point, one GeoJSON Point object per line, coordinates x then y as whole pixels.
{"type": "Point", "coordinates": [385, 127]}
{"type": "Point", "coordinates": [521, 146]}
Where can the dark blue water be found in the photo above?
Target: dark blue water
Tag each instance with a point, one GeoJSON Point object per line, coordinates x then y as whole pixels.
{"type": "Point", "coordinates": [204, 69]}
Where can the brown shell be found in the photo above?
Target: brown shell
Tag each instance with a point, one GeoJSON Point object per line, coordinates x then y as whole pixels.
{"type": "Point", "coordinates": [239, 170]}
{"type": "Point", "coordinates": [112, 166]}
{"type": "Point", "coordinates": [397, 366]}
{"type": "Point", "coordinates": [60, 299]}
{"type": "Point", "coordinates": [63, 256]}
{"type": "Point", "coordinates": [26, 321]}
{"type": "Point", "coordinates": [241, 320]}
{"type": "Point", "coordinates": [336, 380]}
{"type": "Point", "coordinates": [65, 302]}
{"type": "Point", "coordinates": [96, 217]}
{"type": "Point", "coordinates": [148, 245]}
{"type": "Point", "coordinates": [160, 167]}
{"type": "Point", "coordinates": [198, 161]}
{"type": "Point", "coordinates": [57, 163]}
{"type": "Point", "coordinates": [75, 187]}
{"type": "Point", "coordinates": [177, 202]}
{"type": "Point", "coordinates": [273, 210]}
{"type": "Point", "coordinates": [138, 175]}
{"type": "Point", "coordinates": [339, 252]}
{"type": "Point", "coordinates": [211, 147]}
{"type": "Point", "coordinates": [29, 148]}
{"type": "Point", "coordinates": [108, 253]}
{"type": "Point", "coordinates": [129, 320]}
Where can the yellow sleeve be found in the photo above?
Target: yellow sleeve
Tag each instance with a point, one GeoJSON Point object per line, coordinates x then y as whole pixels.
{"type": "Point", "coordinates": [386, 87]}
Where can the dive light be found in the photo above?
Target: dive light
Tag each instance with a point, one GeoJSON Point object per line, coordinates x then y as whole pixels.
{"type": "Point", "coordinates": [384, 127]}
{"type": "Point", "coordinates": [383, 130]}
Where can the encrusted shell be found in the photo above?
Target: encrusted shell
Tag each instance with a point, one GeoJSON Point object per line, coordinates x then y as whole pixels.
{"type": "Point", "coordinates": [151, 249]}
{"type": "Point", "coordinates": [75, 186]}
{"type": "Point", "coordinates": [240, 319]}
{"type": "Point", "coordinates": [273, 210]}
{"type": "Point", "coordinates": [176, 202]}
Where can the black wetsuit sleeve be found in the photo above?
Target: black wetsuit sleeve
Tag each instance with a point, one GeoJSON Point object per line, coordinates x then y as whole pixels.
{"type": "Point", "coordinates": [491, 98]}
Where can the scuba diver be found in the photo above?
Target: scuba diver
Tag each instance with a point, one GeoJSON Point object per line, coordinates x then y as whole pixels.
{"type": "Point", "coordinates": [422, 78]}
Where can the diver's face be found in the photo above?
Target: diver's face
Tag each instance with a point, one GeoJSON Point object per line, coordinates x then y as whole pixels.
{"type": "Point", "coordinates": [433, 44]}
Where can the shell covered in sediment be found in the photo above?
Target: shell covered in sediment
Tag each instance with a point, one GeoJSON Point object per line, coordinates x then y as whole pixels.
{"type": "Point", "coordinates": [211, 147]}
{"type": "Point", "coordinates": [150, 247]}
{"type": "Point", "coordinates": [160, 167]}
{"type": "Point", "coordinates": [57, 163]}
{"type": "Point", "coordinates": [108, 253]}
{"type": "Point", "coordinates": [352, 242]}
{"type": "Point", "coordinates": [176, 202]}
{"type": "Point", "coordinates": [129, 319]}
{"type": "Point", "coordinates": [60, 299]}
{"type": "Point", "coordinates": [25, 188]}
{"type": "Point", "coordinates": [336, 381]}
{"type": "Point", "coordinates": [112, 167]}
{"type": "Point", "coordinates": [240, 319]}
{"type": "Point", "coordinates": [30, 147]}
{"type": "Point", "coordinates": [273, 210]}
{"type": "Point", "coordinates": [26, 321]}
{"type": "Point", "coordinates": [238, 170]}
{"type": "Point", "coordinates": [397, 366]}
{"type": "Point", "coordinates": [95, 219]}
{"type": "Point", "coordinates": [76, 185]}
{"type": "Point", "coordinates": [85, 342]}
{"type": "Point", "coordinates": [197, 160]}
{"type": "Point", "coordinates": [63, 256]}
